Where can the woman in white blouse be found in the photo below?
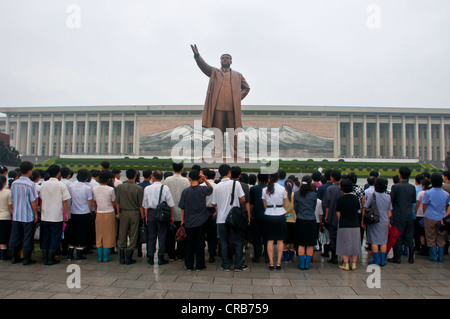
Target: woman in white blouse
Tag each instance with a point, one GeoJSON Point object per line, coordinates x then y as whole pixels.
{"type": "Point", "coordinates": [105, 220]}
{"type": "Point", "coordinates": [274, 196]}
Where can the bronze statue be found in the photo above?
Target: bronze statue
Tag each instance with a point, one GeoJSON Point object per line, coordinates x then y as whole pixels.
{"type": "Point", "coordinates": [226, 89]}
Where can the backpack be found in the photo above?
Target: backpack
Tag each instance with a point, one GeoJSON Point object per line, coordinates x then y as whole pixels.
{"type": "Point", "coordinates": [237, 217]}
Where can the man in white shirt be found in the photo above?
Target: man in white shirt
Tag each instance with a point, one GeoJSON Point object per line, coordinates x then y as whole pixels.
{"type": "Point", "coordinates": [117, 180]}
{"type": "Point", "coordinates": [54, 195]}
{"type": "Point", "coordinates": [222, 200]}
{"type": "Point", "coordinates": [156, 230]}
{"type": "Point", "coordinates": [176, 184]}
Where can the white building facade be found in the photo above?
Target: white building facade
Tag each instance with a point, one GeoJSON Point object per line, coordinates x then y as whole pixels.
{"type": "Point", "coordinates": [355, 132]}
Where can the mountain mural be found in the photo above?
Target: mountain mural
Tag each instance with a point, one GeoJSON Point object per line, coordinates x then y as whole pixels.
{"type": "Point", "coordinates": [292, 142]}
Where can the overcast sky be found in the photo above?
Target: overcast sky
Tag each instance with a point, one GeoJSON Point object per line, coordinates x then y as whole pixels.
{"type": "Point", "coordinates": [291, 52]}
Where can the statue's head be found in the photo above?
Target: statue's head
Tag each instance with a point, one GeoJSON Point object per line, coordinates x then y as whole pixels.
{"type": "Point", "coordinates": [225, 60]}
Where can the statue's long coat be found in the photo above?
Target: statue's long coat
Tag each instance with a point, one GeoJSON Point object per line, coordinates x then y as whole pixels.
{"type": "Point", "coordinates": [239, 88]}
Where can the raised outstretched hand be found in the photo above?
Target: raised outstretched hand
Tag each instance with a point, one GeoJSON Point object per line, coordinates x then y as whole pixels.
{"type": "Point", "coordinates": [194, 49]}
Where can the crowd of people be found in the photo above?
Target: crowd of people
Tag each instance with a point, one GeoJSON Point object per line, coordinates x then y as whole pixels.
{"type": "Point", "coordinates": [182, 215]}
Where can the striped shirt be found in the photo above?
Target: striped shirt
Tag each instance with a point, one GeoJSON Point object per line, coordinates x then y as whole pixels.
{"type": "Point", "coordinates": [23, 192]}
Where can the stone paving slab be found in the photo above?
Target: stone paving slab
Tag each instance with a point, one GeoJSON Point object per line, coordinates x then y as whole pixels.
{"type": "Point", "coordinates": [423, 279]}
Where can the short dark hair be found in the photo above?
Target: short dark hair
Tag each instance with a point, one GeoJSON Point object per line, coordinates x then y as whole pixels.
{"type": "Point", "coordinates": [235, 171]}
{"type": "Point", "coordinates": [82, 175]}
{"type": "Point", "coordinates": [419, 178]}
{"type": "Point", "coordinates": [346, 185]}
{"type": "Point", "coordinates": [353, 177]}
{"type": "Point", "coordinates": [65, 172]}
{"type": "Point", "coordinates": [380, 184]}
{"type": "Point", "coordinates": [158, 175]}
{"type": "Point", "coordinates": [146, 173]}
{"type": "Point", "coordinates": [35, 175]}
{"type": "Point", "coordinates": [3, 169]}
{"type": "Point", "coordinates": [3, 180]}
{"type": "Point", "coordinates": [197, 167]}
{"type": "Point", "coordinates": [116, 171]}
{"type": "Point", "coordinates": [316, 176]}
{"type": "Point", "coordinates": [404, 172]}
{"type": "Point", "coordinates": [104, 176]}
{"type": "Point", "coordinates": [395, 179]}
{"type": "Point", "coordinates": [26, 166]}
{"type": "Point", "coordinates": [436, 180]}
{"type": "Point", "coordinates": [263, 178]}
{"type": "Point", "coordinates": [336, 174]}
{"type": "Point", "coordinates": [105, 164]}
{"type": "Point", "coordinates": [210, 174]}
{"type": "Point", "coordinates": [167, 174]}
{"type": "Point", "coordinates": [446, 174]}
{"type": "Point", "coordinates": [426, 182]}
{"type": "Point", "coordinates": [53, 170]}
{"type": "Point", "coordinates": [95, 172]}
{"type": "Point", "coordinates": [374, 173]}
{"type": "Point", "coordinates": [177, 167]}
{"type": "Point", "coordinates": [224, 169]}
{"type": "Point", "coordinates": [282, 174]}
{"type": "Point", "coordinates": [194, 175]}
{"type": "Point", "coordinates": [252, 179]}
{"type": "Point", "coordinates": [327, 174]}
{"type": "Point", "coordinates": [131, 173]}
{"type": "Point", "coordinates": [371, 180]}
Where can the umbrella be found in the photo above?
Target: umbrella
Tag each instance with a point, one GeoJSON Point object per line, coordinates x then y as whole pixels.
{"type": "Point", "coordinates": [393, 235]}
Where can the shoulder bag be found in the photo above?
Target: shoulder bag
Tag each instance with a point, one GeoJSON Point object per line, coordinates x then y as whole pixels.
{"type": "Point", "coordinates": [372, 214]}
{"type": "Point", "coordinates": [162, 210]}
{"type": "Point", "coordinates": [237, 217]}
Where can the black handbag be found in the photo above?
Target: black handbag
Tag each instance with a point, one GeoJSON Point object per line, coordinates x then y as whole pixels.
{"type": "Point", "coordinates": [372, 214]}
{"type": "Point", "coordinates": [163, 214]}
{"type": "Point", "coordinates": [143, 233]}
{"type": "Point", "coordinates": [446, 221]}
{"type": "Point", "coordinates": [237, 217]}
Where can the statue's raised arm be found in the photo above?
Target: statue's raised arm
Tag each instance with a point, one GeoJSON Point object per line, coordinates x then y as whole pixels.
{"type": "Point", "coordinates": [205, 67]}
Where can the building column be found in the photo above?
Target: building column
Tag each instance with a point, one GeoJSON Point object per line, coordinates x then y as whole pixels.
{"type": "Point", "coordinates": [404, 137]}
{"type": "Point", "coordinates": [99, 132]}
{"type": "Point", "coordinates": [429, 140]}
{"type": "Point", "coordinates": [352, 139]}
{"type": "Point", "coordinates": [29, 133]}
{"type": "Point", "coordinates": [122, 135]}
{"type": "Point", "coordinates": [110, 133]}
{"type": "Point", "coordinates": [7, 125]}
{"type": "Point", "coordinates": [51, 135]}
{"type": "Point", "coordinates": [442, 148]}
{"type": "Point", "coordinates": [391, 137]}
{"type": "Point", "coordinates": [337, 140]}
{"type": "Point", "coordinates": [416, 137]}
{"type": "Point", "coordinates": [86, 133]}
{"type": "Point", "coordinates": [377, 137]}
{"type": "Point", "coordinates": [40, 136]}
{"type": "Point", "coordinates": [135, 136]}
{"type": "Point", "coordinates": [63, 134]}
{"type": "Point", "coordinates": [364, 136]}
{"type": "Point", "coordinates": [74, 134]}
{"type": "Point", "coordinates": [18, 135]}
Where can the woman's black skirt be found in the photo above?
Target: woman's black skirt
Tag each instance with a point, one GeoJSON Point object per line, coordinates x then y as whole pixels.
{"type": "Point", "coordinates": [275, 227]}
{"type": "Point", "coordinates": [306, 232]}
{"type": "Point", "coordinates": [5, 231]}
{"type": "Point", "coordinates": [78, 229]}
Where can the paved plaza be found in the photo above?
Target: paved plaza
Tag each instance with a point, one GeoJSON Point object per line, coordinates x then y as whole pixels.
{"type": "Point", "coordinates": [421, 280]}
